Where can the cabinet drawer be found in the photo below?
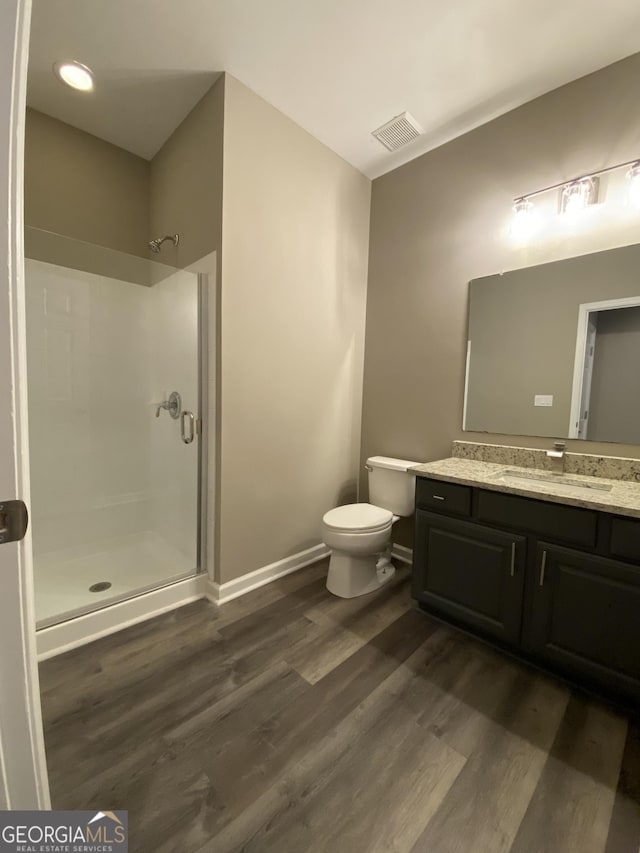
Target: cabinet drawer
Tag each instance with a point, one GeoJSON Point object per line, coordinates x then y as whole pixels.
{"type": "Point", "coordinates": [443, 497]}
{"type": "Point", "coordinates": [552, 521]}
{"type": "Point", "coordinates": [625, 538]}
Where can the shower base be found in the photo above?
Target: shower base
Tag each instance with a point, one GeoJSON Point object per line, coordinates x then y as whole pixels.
{"type": "Point", "coordinates": [133, 565]}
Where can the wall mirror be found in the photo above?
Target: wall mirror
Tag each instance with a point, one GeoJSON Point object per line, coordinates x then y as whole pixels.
{"type": "Point", "coordinates": [554, 350]}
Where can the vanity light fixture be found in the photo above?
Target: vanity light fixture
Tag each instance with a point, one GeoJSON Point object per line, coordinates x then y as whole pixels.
{"type": "Point", "coordinates": [634, 184]}
{"type": "Point", "coordinates": [524, 222]}
{"type": "Point", "coordinates": [74, 74]}
{"type": "Point", "coordinates": [579, 194]}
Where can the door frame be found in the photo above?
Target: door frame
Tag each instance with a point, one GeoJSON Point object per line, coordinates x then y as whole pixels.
{"type": "Point", "coordinates": [587, 374]}
{"type": "Point", "coordinates": [23, 773]}
{"type": "Point", "coordinates": [584, 310]}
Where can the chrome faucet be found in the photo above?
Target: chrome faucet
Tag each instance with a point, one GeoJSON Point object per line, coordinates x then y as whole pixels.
{"type": "Point", "coordinates": [556, 457]}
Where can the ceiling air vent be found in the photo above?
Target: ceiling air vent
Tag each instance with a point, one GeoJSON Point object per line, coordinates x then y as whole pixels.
{"type": "Point", "coordinates": [398, 132]}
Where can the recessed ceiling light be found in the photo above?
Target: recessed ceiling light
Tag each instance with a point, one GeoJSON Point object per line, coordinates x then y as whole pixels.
{"type": "Point", "coordinates": [75, 74]}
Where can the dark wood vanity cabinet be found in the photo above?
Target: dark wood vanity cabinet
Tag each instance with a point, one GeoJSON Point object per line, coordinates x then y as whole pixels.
{"type": "Point", "coordinates": [471, 573]}
{"type": "Point", "coordinates": [585, 615]}
{"type": "Point", "coordinates": [543, 580]}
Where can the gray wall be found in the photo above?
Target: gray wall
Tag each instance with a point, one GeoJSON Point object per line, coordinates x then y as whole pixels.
{"type": "Point", "coordinates": [87, 189]}
{"type": "Point", "coordinates": [83, 187]}
{"type": "Point", "coordinates": [523, 328]}
{"type": "Point", "coordinates": [294, 279]}
{"type": "Point", "coordinates": [441, 220]}
{"type": "Point", "coordinates": [186, 198]}
{"type": "Point", "coordinates": [186, 183]}
{"type": "Point", "coordinates": [614, 411]}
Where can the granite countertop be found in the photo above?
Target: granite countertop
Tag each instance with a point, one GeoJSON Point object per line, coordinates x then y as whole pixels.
{"type": "Point", "coordinates": [623, 499]}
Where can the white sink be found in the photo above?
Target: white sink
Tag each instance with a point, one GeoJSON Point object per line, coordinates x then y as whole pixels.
{"type": "Point", "coordinates": [561, 483]}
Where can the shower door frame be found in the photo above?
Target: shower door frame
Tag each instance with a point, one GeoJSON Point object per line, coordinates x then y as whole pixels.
{"type": "Point", "coordinates": [77, 627]}
{"type": "Point", "coordinates": [202, 423]}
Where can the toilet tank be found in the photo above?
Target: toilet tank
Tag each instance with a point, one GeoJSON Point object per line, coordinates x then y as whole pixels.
{"type": "Point", "coordinates": [391, 485]}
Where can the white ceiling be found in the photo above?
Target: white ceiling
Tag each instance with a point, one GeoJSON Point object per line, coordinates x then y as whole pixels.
{"type": "Point", "coordinates": [339, 68]}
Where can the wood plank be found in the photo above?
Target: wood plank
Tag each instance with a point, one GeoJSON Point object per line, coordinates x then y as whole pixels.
{"type": "Point", "coordinates": [261, 758]}
{"type": "Point", "coordinates": [292, 586]}
{"type": "Point", "coordinates": [474, 697]}
{"type": "Point", "coordinates": [369, 784]}
{"type": "Point", "coordinates": [218, 725]}
{"type": "Point", "coordinates": [324, 648]}
{"type": "Point", "coordinates": [122, 659]}
{"type": "Point", "coordinates": [624, 828]}
{"type": "Point", "coordinates": [461, 674]}
{"type": "Point", "coordinates": [367, 615]}
{"type": "Point", "coordinates": [256, 627]}
{"type": "Point", "coordinates": [572, 805]}
{"type": "Point", "coordinates": [163, 802]}
{"type": "Point", "coordinates": [375, 797]}
{"type": "Point", "coordinates": [484, 807]}
{"type": "Point", "coordinates": [154, 706]}
{"type": "Point", "coordinates": [146, 649]}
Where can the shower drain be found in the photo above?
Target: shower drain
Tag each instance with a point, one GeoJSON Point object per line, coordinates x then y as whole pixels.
{"type": "Point", "coordinates": [99, 587]}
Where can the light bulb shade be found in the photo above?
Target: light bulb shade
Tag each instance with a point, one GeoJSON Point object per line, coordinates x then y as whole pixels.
{"type": "Point", "coordinates": [578, 194]}
{"type": "Point", "coordinates": [634, 184]}
{"type": "Point", "coordinates": [75, 74]}
{"type": "Point", "coordinates": [524, 222]}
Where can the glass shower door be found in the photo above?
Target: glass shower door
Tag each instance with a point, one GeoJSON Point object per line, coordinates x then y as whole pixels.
{"type": "Point", "coordinates": [114, 456]}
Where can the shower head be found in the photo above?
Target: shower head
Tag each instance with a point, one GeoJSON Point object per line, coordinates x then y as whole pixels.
{"type": "Point", "coordinates": [154, 245]}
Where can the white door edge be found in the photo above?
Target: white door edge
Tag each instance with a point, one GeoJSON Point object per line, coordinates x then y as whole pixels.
{"type": "Point", "coordinates": [23, 774]}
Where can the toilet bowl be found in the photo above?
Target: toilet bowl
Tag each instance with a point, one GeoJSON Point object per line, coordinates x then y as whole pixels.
{"type": "Point", "coordinates": [356, 534]}
{"type": "Point", "coordinates": [359, 535]}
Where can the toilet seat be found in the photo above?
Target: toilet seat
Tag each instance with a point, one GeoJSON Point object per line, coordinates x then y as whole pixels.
{"type": "Point", "coordinates": [358, 518]}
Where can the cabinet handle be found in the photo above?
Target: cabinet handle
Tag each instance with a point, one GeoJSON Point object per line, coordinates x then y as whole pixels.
{"type": "Point", "coordinates": [543, 565]}
{"type": "Point", "coordinates": [437, 497]}
{"type": "Point", "coordinates": [513, 559]}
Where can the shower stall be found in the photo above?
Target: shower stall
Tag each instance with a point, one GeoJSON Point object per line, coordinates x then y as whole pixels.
{"type": "Point", "coordinates": [115, 377]}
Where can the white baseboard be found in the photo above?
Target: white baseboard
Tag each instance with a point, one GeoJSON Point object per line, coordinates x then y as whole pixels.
{"type": "Point", "coordinates": [220, 593]}
{"type": "Point", "coordinates": [84, 629]}
{"type": "Point", "coordinates": [404, 555]}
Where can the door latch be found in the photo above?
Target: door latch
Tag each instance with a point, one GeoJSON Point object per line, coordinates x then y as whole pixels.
{"type": "Point", "coordinates": [14, 520]}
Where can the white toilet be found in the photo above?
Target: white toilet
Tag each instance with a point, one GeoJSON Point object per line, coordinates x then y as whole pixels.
{"type": "Point", "coordinates": [359, 535]}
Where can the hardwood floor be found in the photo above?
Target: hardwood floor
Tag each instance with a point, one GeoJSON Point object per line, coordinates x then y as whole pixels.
{"type": "Point", "coordinates": [292, 721]}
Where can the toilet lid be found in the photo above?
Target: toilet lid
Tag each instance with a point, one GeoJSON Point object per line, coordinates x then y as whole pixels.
{"type": "Point", "coordinates": [358, 518]}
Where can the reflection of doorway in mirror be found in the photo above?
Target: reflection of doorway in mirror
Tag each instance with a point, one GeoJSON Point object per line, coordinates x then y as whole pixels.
{"type": "Point", "coordinates": [605, 403]}
{"type": "Point", "coordinates": [587, 374]}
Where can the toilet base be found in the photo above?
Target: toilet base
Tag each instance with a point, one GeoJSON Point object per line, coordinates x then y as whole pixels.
{"type": "Point", "coordinates": [350, 576]}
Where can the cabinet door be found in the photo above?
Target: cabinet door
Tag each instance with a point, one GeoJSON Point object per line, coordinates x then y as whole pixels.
{"type": "Point", "coordinates": [586, 616]}
{"type": "Point", "coordinates": [470, 573]}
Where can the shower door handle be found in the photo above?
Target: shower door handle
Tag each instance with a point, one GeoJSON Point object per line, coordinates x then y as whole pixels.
{"type": "Point", "coordinates": [187, 437]}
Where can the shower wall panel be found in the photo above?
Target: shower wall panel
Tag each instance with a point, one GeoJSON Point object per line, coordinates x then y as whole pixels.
{"type": "Point", "coordinates": [89, 361]}
{"type": "Point", "coordinates": [114, 488]}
